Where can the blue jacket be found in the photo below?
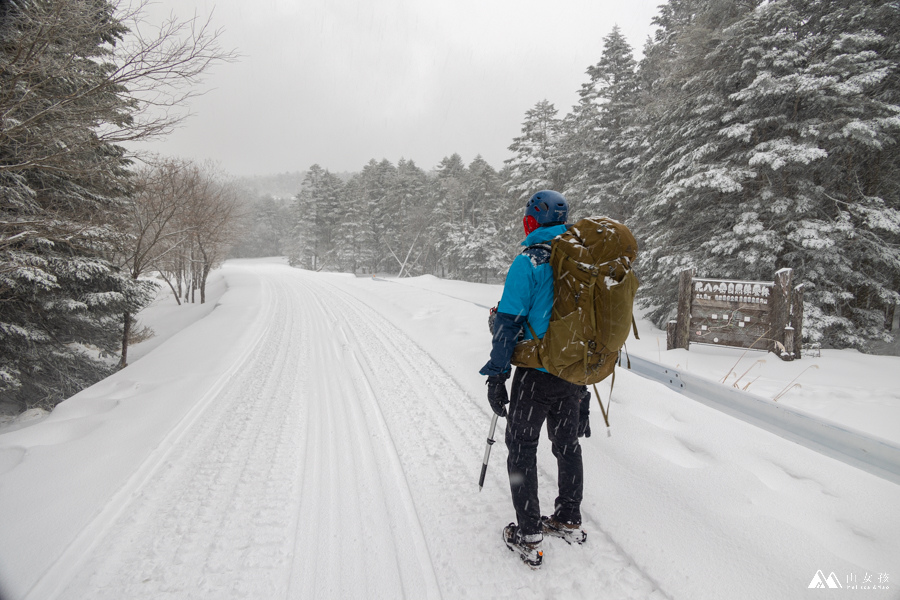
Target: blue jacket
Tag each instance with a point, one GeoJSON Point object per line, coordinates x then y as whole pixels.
{"type": "Point", "coordinates": [527, 295]}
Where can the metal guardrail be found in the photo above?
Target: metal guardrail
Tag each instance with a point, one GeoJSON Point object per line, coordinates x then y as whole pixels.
{"type": "Point", "coordinates": [877, 457]}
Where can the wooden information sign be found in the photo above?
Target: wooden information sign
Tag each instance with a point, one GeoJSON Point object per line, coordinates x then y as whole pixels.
{"type": "Point", "coordinates": [730, 313]}
{"type": "Point", "coordinates": [766, 315]}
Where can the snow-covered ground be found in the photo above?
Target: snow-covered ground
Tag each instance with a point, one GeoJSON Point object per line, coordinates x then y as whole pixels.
{"type": "Point", "coordinates": [320, 436]}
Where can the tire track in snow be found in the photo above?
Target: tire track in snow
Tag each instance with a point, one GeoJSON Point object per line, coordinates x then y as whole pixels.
{"type": "Point", "coordinates": [424, 414]}
{"type": "Point", "coordinates": [352, 482]}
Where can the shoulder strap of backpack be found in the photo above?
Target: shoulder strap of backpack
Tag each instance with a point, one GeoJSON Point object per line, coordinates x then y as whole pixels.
{"type": "Point", "coordinates": [539, 253]}
{"type": "Point", "coordinates": [531, 329]}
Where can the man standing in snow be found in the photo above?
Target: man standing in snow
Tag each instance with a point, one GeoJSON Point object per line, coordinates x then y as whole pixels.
{"type": "Point", "coordinates": [536, 394]}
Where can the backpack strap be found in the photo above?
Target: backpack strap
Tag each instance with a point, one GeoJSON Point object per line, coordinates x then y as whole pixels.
{"type": "Point", "coordinates": [538, 253]}
{"type": "Point", "coordinates": [605, 411]}
{"type": "Point", "coordinates": [531, 329]}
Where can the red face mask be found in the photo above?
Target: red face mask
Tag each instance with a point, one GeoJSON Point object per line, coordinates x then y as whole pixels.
{"type": "Point", "coordinates": [529, 223]}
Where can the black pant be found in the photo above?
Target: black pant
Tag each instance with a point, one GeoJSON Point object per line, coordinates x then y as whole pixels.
{"type": "Point", "coordinates": [537, 396]}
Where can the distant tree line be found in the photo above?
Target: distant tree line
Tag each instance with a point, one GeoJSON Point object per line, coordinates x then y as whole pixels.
{"type": "Point", "coordinates": [399, 219]}
{"type": "Point", "coordinates": [752, 136]}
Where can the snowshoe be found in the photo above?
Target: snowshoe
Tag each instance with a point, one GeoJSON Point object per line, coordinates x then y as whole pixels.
{"type": "Point", "coordinates": [571, 533]}
{"type": "Point", "coordinates": [528, 546]}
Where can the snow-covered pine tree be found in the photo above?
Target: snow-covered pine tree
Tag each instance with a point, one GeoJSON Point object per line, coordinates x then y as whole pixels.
{"type": "Point", "coordinates": [509, 220]}
{"type": "Point", "coordinates": [600, 142]}
{"type": "Point", "coordinates": [816, 114]}
{"type": "Point", "coordinates": [297, 245]}
{"type": "Point", "coordinates": [784, 157]}
{"type": "Point", "coordinates": [409, 228]}
{"type": "Point", "coordinates": [680, 201]}
{"type": "Point", "coordinates": [537, 160]}
{"type": "Point", "coordinates": [378, 179]}
{"type": "Point", "coordinates": [317, 216]}
{"type": "Point", "coordinates": [478, 250]}
{"type": "Point", "coordinates": [448, 199]}
{"type": "Point", "coordinates": [73, 87]}
{"type": "Point", "coordinates": [353, 246]}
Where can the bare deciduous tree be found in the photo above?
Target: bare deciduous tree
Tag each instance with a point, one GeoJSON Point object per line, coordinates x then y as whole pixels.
{"type": "Point", "coordinates": [212, 217]}
{"type": "Point", "coordinates": [183, 219]}
{"type": "Point", "coordinates": [155, 223]}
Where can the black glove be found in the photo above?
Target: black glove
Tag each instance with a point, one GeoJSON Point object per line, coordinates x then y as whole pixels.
{"type": "Point", "coordinates": [584, 411]}
{"type": "Point", "coordinates": [497, 395]}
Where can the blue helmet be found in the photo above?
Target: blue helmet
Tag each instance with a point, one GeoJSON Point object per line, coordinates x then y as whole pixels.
{"type": "Point", "coordinates": [545, 208]}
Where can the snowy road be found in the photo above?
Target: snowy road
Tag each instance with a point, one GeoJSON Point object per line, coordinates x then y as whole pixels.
{"type": "Point", "coordinates": [287, 484]}
{"type": "Point", "coordinates": [333, 456]}
{"type": "Point", "coordinates": [318, 466]}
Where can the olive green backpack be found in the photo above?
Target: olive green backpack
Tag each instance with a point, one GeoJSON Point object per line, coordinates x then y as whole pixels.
{"type": "Point", "coordinates": [593, 298]}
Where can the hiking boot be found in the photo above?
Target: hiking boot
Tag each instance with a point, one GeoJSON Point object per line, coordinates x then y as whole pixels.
{"type": "Point", "coordinates": [572, 533]}
{"type": "Point", "coordinates": [528, 546]}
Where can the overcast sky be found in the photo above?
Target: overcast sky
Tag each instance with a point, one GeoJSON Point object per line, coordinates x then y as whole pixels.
{"type": "Point", "coordinates": [339, 82]}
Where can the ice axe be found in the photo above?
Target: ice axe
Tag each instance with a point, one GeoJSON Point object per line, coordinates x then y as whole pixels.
{"type": "Point", "coordinates": [487, 451]}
